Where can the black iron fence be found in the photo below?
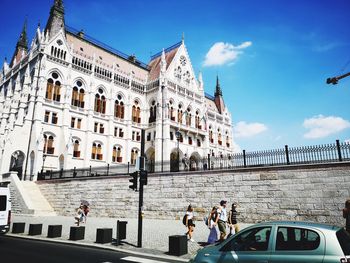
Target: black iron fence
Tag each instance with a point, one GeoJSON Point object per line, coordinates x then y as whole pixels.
{"type": "Point", "coordinates": [336, 152]}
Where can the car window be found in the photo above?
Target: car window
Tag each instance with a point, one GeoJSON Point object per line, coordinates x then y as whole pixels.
{"type": "Point", "coordinates": [3, 200]}
{"type": "Point", "coordinates": [290, 238]}
{"type": "Point", "coordinates": [344, 241]}
{"type": "Point", "coordinates": [256, 239]}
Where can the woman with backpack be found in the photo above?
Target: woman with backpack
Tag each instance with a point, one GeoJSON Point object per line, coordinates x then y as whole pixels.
{"type": "Point", "coordinates": [213, 234]}
{"type": "Point", "coordinates": [188, 221]}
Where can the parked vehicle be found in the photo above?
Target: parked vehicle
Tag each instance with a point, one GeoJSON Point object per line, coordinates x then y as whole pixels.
{"type": "Point", "coordinates": [282, 241]}
{"type": "Point", "coordinates": [5, 208]}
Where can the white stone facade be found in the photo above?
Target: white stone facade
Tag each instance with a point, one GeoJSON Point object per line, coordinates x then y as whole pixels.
{"type": "Point", "coordinates": [68, 101]}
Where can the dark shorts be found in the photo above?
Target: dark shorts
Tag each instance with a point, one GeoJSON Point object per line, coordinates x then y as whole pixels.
{"type": "Point", "coordinates": [190, 222]}
{"type": "Point", "coordinates": [222, 226]}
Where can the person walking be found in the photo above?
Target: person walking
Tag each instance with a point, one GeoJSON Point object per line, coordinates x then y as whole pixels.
{"type": "Point", "coordinates": [189, 223]}
{"type": "Point", "coordinates": [213, 234]}
{"type": "Point", "coordinates": [346, 215]}
{"type": "Point", "coordinates": [221, 219]}
{"type": "Point", "coordinates": [232, 220]}
{"type": "Point", "coordinates": [79, 215]}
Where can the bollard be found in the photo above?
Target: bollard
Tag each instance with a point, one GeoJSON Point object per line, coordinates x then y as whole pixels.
{"type": "Point", "coordinates": [178, 245]}
{"type": "Point", "coordinates": [18, 228]}
{"type": "Point", "coordinates": [121, 231]}
{"type": "Point", "coordinates": [77, 233]}
{"type": "Point", "coordinates": [35, 229]}
{"type": "Point", "coordinates": [104, 235]}
{"type": "Point", "coordinates": [54, 231]}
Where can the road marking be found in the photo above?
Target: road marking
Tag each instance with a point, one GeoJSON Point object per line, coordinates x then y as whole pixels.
{"type": "Point", "coordinates": [142, 260]}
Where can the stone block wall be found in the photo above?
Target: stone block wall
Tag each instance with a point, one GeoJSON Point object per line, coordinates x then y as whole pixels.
{"type": "Point", "coordinates": [308, 192]}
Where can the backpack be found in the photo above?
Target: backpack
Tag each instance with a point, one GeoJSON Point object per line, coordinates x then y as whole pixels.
{"type": "Point", "coordinates": [184, 219]}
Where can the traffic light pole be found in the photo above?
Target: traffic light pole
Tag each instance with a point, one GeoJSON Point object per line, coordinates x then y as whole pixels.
{"type": "Point", "coordinates": [139, 231]}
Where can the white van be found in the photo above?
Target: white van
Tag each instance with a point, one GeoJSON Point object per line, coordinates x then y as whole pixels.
{"type": "Point", "coordinates": [5, 208]}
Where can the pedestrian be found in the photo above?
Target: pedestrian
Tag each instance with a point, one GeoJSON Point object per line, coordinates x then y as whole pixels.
{"type": "Point", "coordinates": [189, 223]}
{"type": "Point", "coordinates": [346, 215]}
{"type": "Point", "coordinates": [222, 219]}
{"type": "Point", "coordinates": [213, 234]}
{"type": "Point", "coordinates": [79, 215]}
{"type": "Point", "coordinates": [232, 220]}
{"type": "Point", "coordinates": [86, 210]}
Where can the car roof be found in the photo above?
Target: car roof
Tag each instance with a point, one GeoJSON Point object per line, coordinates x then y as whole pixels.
{"type": "Point", "coordinates": [301, 224]}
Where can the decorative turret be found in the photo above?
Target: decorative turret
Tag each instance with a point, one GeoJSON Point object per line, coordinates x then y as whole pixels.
{"type": "Point", "coordinates": [56, 19]}
{"type": "Point", "coordinates": [200, 81]}
{"type": "Point", "coordinates": [163, 62]}
{"type": "Point", "coordinates": [21, 47]}
{"type": "Point", "coordinates": [219, 101]}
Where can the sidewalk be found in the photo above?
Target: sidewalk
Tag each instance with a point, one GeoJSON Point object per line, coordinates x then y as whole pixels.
{"type": "Point", "coordinates": [155, 238]}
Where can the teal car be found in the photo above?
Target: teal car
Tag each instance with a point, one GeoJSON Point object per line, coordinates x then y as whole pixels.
{"type": "Point", "coordinates": [282, 242]}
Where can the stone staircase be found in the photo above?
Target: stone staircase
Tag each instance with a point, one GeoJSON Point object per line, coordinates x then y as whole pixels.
{"type": "Point", "coordinates": [36, 202]}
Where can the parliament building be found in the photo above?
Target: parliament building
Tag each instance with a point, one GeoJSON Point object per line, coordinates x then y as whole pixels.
{"type": "Point", "coordinates": [68, 100]}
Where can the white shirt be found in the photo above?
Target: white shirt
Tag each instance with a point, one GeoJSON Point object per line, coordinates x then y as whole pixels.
{"type": "Point", "coordinates": [223, 214]}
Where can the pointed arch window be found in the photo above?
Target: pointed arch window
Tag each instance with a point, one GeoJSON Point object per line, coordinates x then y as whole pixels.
{"type": "Point", "coordinates": [48, 144]}
{"type": "Point", "coordinates": [76, 149]}
{"type": "Point", "coordinates": [53, 88]}
{"type": "Point", "coordinates": [49, 89]}
{"type": "Point", "coordinates": [100, 102]}
{"type": "Point", "coordinates": [136, 112]}
{"type": "Point", "coordinates": [78, 95]}
{"type": "Point", "coordinates": [211, 136]}
{"type": "Point", "coordinates": [134, 154]}
{"type": "Point", "coordinates": [153, 112]}
{"type": "Point", "coordinates": [179, 114]}
{"type": "Point", "coordinates": [96, 151]}
{"type": "Point", "coordinates": [171, 111]}
{"type": "Point", "coordinates": [188, 117]}
{"type": "Point", "coordinates": [119, 108]}
{"type": "Point", "coordinates": [219, 137]}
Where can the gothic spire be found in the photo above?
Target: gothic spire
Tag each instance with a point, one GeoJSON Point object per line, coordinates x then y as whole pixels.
{"type": "Point", "coordinates": [56, 19]}
{"type": "Point", "coordinates": [23, 41]}
{"type": "Point", "coordinates": [218, 91]}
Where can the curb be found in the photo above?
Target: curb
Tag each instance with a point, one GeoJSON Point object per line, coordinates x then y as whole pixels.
{"type": "Point", "coordinates": [100, 246]}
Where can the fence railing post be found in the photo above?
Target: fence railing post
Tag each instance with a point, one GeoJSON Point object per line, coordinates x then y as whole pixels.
{"type": "Point", "coordinates": [287, 153]}
{"type": "Point", "coordinates": [107, 168]}
{"type": "Point", "coordinates": [61, 172]}
{"type": "Point", "coordinates": [208, 161]}
{"type": "Point", "coordinates": [339, 151]}
{"type": "Point", "coordinates": [128, 167]}
{"type": "Point", "coordinates": [244, 159]}
{"type": "Point", "coordinates": [90, 170]}
{"type": "Point", "coordinates": [74, 172]}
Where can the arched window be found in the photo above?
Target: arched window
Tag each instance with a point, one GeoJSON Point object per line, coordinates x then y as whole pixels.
{"type": "Point", "coordinates": [136, 112]}
{"type": "Point", "coordinates": [76, 150]}
{"type": "Point", "coordinates": [198, 121]}
{"type": "Point", "coordinates": [119, 155]}
{"type": "Point", "coordinates": [78, 95]}
{"type": "Point", "coordinates": [152, 112]}
{"type": "Point", "coordinates": [179, 114]}
{"type": "Point", "coordinates": [219, 137]}
{"type": "Point", "coordinates": [188, 117]}
{"type": "Point", "coordinates": [134, 154]}
{"type": "Point", "coordinates": [171, 111]}
{"type": "Point", "coordinates": [114, 154]}
{"type": "Point", "coordinates": [53, 88]}
{"type": "Point", "coordinates": [48, 144]}
{"type": "Point", "coordinates": [119, 108]}
{"type": "Point", "coordinates": [100, 102]}
{"type": "Point", "coordinates": [96, 151]}
{"type": "Point", "coordinates": [211, 137]}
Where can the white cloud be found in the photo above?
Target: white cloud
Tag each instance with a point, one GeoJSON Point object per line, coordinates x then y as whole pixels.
{"type": "Point", "coordinates": [222, 53]}
{"type": "Point", "coordinates": [244, 130]}
{"type": "Point", "coordinates": [321, 126]}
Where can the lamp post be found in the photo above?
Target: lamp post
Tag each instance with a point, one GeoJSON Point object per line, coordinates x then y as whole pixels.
{"type": "Point", "coordinates": [178, 134]}
{"type": "Point", "coordinates": [42, 168]}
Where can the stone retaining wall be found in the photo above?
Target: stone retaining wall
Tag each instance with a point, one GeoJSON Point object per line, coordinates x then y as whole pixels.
{"type": "Point", "coordinates": [308, 192]}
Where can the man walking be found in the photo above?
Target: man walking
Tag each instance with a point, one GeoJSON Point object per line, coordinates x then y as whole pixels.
{"type": "Point", "coordinates": [221, 219]}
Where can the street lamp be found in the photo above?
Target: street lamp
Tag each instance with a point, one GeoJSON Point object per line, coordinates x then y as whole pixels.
{"type": "Point", "coordinates": [178, 134]}
{"type": "Point", "coordinates": [42, 168]}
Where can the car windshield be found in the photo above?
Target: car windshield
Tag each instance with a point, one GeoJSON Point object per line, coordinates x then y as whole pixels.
{"type": "Point", "coordinates": [344, 241]}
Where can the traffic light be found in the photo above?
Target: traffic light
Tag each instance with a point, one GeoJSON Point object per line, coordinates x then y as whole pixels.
{"type": "Point", "coordinates": [133, 180]}
{"type": "Point", "coordinates": [143, 177]}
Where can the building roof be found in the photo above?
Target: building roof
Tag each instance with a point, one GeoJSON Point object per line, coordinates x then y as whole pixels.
{"type": "Point", "coordinates": [154, 64]}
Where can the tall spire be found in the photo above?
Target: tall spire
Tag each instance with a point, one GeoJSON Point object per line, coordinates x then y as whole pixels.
{"type": "Point", "coordinates": [23, 41]}
{"type": "Point", "coordinates": [218, 91]}
{"type": "Point", "coordinates": [56, 19]}
{"type": "Point", "coordinates": [21, 46]}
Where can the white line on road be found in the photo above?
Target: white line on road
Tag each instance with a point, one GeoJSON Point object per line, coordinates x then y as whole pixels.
{"type": "Point", "coordinates": [142, 260]}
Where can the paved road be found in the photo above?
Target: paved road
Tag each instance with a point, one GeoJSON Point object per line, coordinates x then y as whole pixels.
{"type": "Point", "coordinates": [18, 250]}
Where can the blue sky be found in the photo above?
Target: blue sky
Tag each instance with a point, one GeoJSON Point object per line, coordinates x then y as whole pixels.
{"type": "Point", "coordinates": [272, 57]}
